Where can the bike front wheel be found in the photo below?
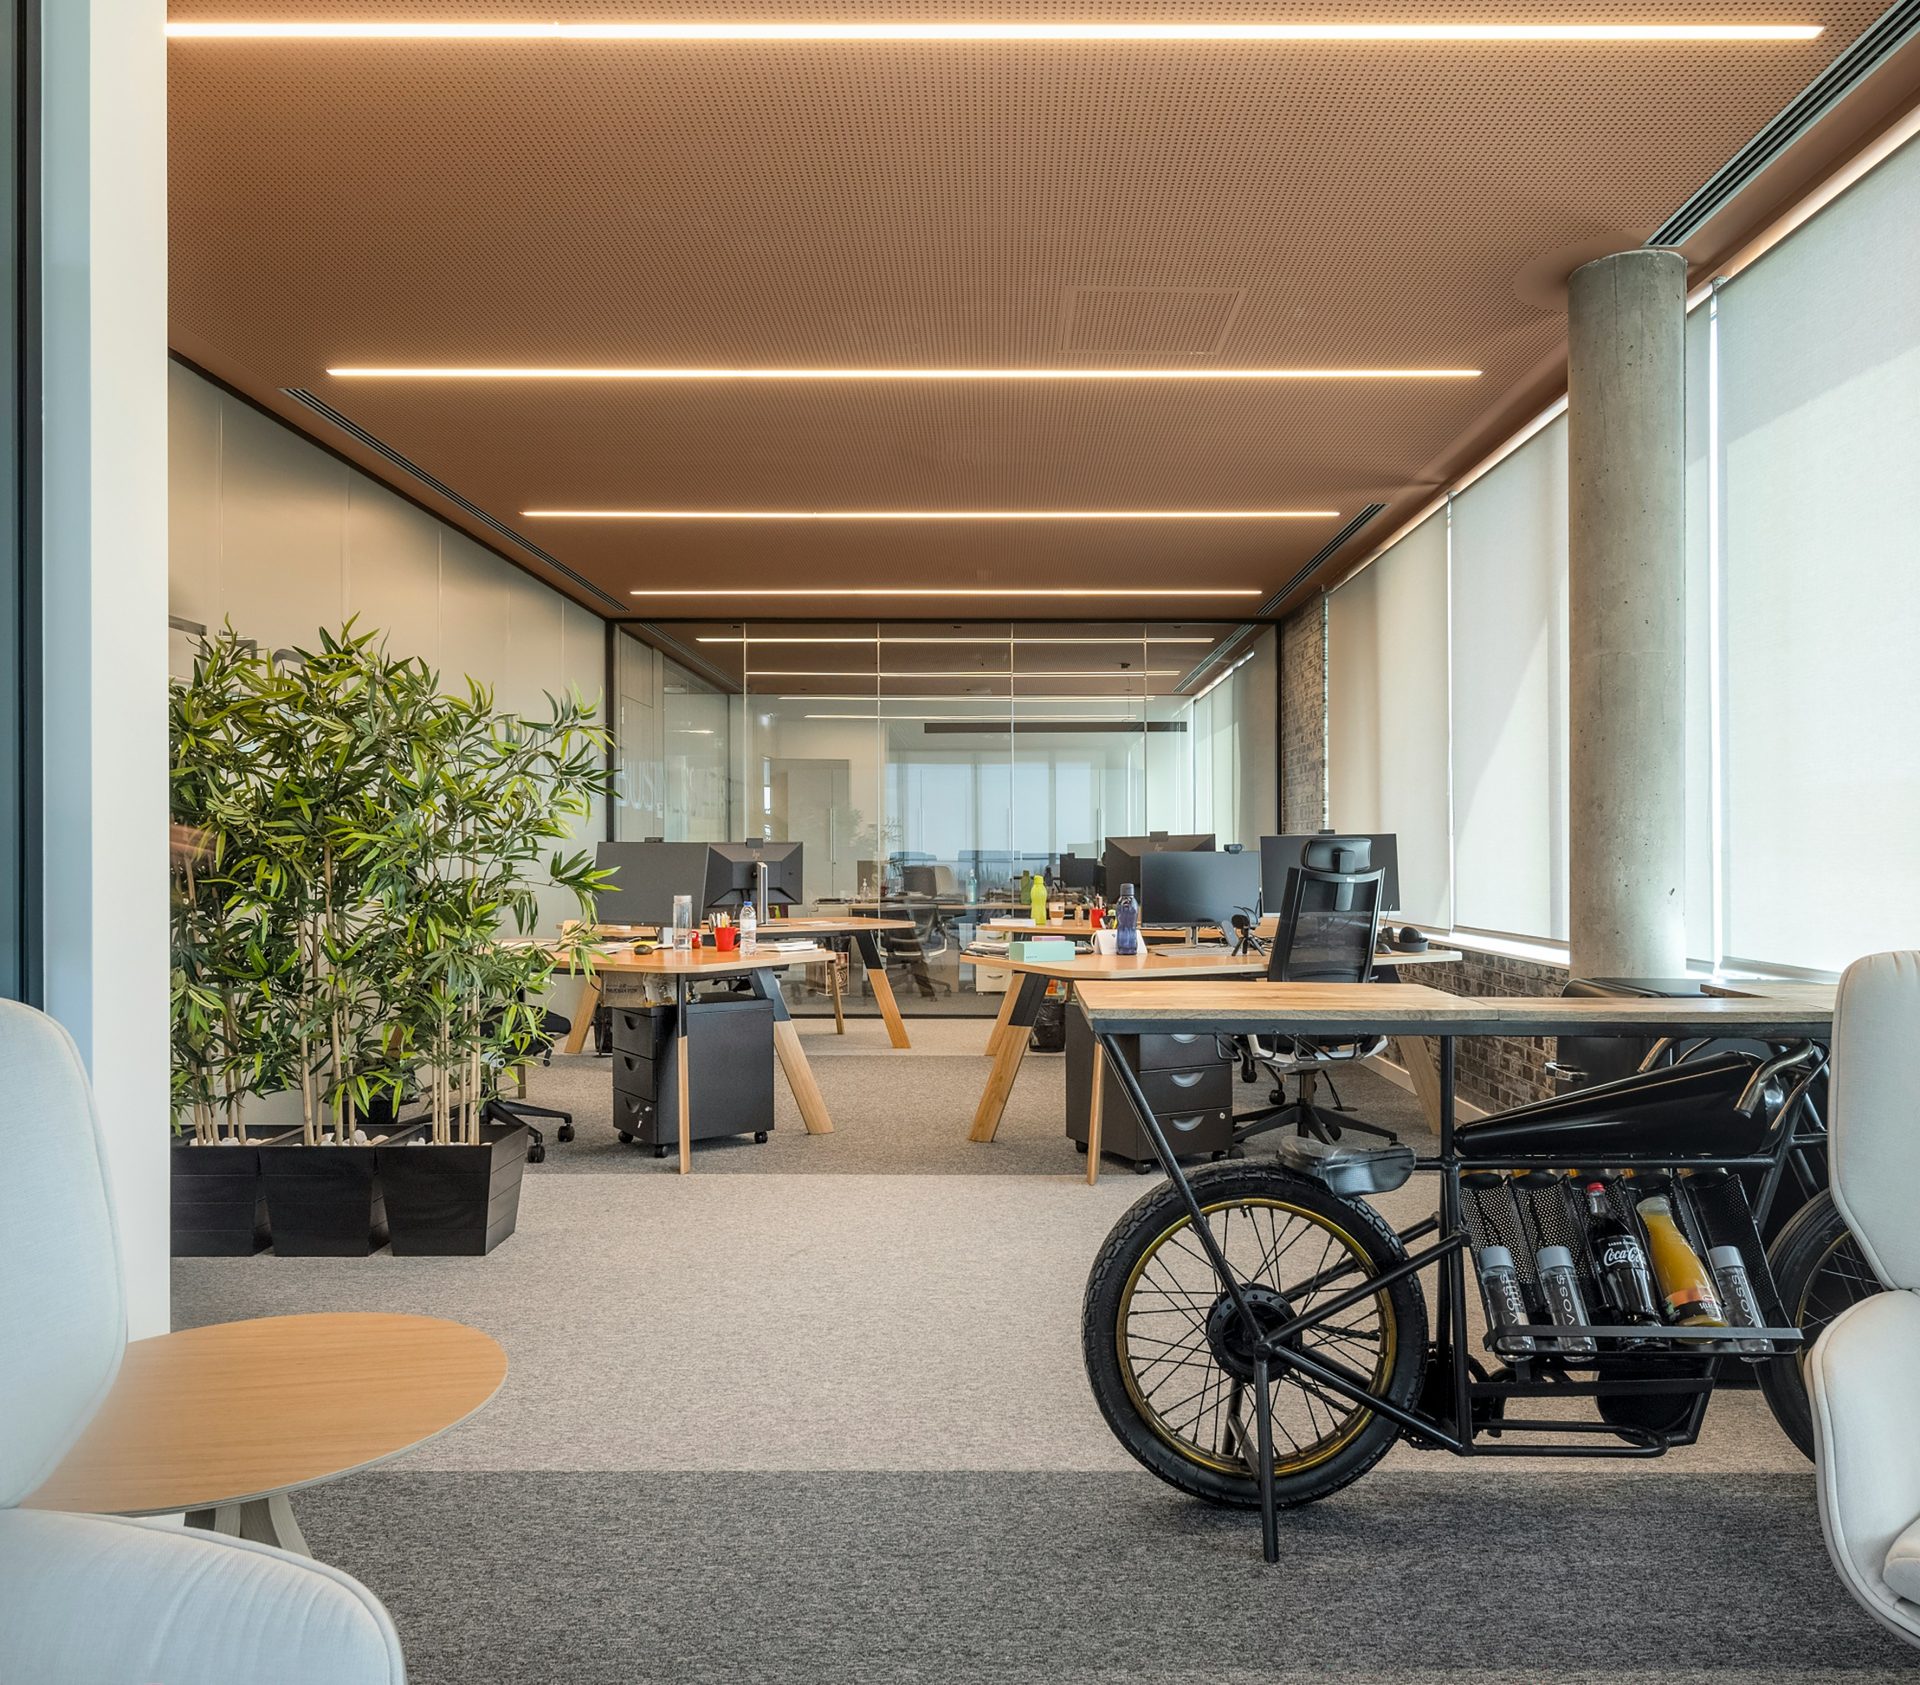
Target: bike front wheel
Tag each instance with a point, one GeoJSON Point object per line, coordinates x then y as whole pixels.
{"type": "Point", "coordinates": [1167, 1353]}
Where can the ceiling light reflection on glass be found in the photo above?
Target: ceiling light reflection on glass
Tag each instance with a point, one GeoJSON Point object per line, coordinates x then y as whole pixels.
{"type": "Point", "coordinates": [930, 514]}
{"type": "Point", "coordinates": [507, 372]}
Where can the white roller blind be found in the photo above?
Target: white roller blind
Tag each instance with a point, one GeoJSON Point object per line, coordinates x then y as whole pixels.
{"type": "Point", "coordinates": [1700, 488]}
{"type": "Point", "coordinates": [1387, 711]}
{"type": "Point", "coordinates": [1509, 595]}
{"type": "Point", "coordinates": [1820, 435]}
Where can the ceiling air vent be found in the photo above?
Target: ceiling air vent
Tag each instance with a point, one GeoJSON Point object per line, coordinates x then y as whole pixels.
{"type": "Point", "coordinates": [1319, 558]}
{"type": "Point", "coordinates": [1820, 96]}
{"type": "Point", "coordinates": [1148, 321]}
{"type": "Point", "coordinates": [441, 489]}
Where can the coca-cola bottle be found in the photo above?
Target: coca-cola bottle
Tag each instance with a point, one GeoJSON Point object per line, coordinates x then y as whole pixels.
{"type": "Point", "coordinates": [1620, 1261]}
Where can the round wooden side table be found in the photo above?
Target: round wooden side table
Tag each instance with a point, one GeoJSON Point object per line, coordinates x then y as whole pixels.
{"type": "Point", "coordinates": [223, 1422]}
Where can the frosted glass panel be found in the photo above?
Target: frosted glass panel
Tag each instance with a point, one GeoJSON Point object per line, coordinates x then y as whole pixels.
{"type": "Point", "coordinates": [1509, 550]}
{"type": "Point", "coordinates": [1387, 711]}
{"type": "Point", "coordinates": [1820, 428]}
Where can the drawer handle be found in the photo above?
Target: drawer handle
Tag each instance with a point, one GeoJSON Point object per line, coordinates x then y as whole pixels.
{"type": "Point", "coordinates": [1188, 1079]}
{"type": "Point", "coordinates": [1186, 1125]}
{"type": "Point", "coordinates": [1183, 1041]}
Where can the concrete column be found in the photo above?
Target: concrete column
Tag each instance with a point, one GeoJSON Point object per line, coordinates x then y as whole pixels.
{"type": "Point", "coordinates": [1626, 422]}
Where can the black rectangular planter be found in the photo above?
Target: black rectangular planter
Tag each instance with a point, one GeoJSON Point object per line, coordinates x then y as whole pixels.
{"type": "Point", "coordinates": [219, 1207]}
{"type": "Point", "coordinates": [324, 1202]}
{"type": "Point", "coordinates": [454, 1200]}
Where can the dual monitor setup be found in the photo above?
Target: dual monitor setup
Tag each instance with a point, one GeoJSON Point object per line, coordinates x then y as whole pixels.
{"type": "Point", "coordinates": [646, 876]}
{"type": "Point", "coordinates": [1185, 880]}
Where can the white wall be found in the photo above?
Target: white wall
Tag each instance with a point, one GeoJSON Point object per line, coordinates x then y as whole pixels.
{"type": "Point", "coordinates": [272, 533]}
{"type": "Point", "coordinates": [104, 275]}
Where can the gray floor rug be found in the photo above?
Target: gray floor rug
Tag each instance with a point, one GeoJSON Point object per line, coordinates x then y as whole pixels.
{"type": "Point", "coordinates": [1039, 1579]}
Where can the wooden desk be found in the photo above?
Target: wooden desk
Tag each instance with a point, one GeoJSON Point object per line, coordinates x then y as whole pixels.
{"type": "Point", "coordinates": [1417, 1056]}
{"type": "Point", "coordinates": [756, 968]}
{"type": "Point", "coordinates": [1418, 1017]}
{"type": "Point", "coordinates": [223, 1422]}
{"type": "Point", "coordinates": [866, 940]}
{"type": "Point", "coordinates": [1008, 1039]}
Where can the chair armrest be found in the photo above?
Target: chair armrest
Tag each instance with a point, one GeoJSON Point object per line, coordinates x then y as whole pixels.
{"type": "Point", "coordinates": [115, 1602]}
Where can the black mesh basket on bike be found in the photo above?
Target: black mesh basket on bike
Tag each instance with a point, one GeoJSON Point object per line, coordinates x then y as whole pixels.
{"type": "Point", "coordinates": [1526, 1210]}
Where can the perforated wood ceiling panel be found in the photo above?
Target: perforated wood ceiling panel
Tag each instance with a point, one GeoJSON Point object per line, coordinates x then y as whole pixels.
{"type": "Point", "coordinates": [914, 205]}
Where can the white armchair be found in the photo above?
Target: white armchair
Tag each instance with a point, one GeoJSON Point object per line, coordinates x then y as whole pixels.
{"type": "Point", "coordinates": [92, 1600]}
{"type": "Point", "coordinates": [1863, 1375]}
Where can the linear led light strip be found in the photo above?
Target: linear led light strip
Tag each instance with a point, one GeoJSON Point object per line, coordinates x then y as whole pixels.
{"type": "Point", "coordinates": [974, 673]}
{"type": "Point", "coordinates": [953, 591]}
{"type": "Point", "coordinates": [989, 638]}
{"type": "Point", "coordinates": [1464, 33]}
{"type": "Point", "coordinates": [930, 514]}
{"type": "Point", "coordinates": [590, 372]}
{"type": "Point", "coordinates": [990, 719]}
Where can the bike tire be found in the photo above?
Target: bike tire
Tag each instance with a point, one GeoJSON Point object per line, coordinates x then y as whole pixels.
{"type": "Point", "coordinates": [1819, 1271]}
{"type": "Point", "coordinates": [1128, 1251]}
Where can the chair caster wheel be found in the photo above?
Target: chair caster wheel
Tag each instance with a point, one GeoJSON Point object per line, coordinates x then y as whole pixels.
{"type": "Point", "coordinates": [626, 1136]}
{"type": "Point", "coordinates": [659, 1152]}
{"type": "Point", "coordinates": [1143, 1167]}
{"type": "Point", "coordinates": [760, 1137]}
{"type": "Point", "coordinates": [564, 1132]}
{"type": "Point", "coordinates": [536, 1153]}
{"type": "Point", "coordinates": [1215, 1158]}
{"type": "Point", "coordinates": [1080, 1147]}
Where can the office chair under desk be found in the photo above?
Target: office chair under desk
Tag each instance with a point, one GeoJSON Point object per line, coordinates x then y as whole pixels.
{"type": "Point", "coordinates": [497, 1108]}
{"type": "Point", "coordinates": [1329, 922]}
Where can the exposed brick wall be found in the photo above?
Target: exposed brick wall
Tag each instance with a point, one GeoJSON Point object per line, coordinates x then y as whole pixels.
{"type": "Point", "coordinates": [1303, 718]}
{"type": "Point", "coordinates": [1495, 1072]}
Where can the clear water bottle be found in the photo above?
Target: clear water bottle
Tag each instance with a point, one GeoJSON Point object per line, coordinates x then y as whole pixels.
{"type": "Point", "coordinates": [1126, 922]}
{"type": "Point", "coordinates": [973, 889]}
{"type": "Point", "coordinates": [1560, 1287]}
{"type": "Point", "coordinates": [1506, 1303]}
{"type": "Point", "coordinates": [749, 927]}
{"type": "Point", "coordinates": [1737, 1298]}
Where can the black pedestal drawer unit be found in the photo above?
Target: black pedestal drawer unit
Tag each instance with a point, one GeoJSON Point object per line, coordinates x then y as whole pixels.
{"type": "Point", "coordinates": [730, 1074]}
{"type": "Point", "coordinates": [1188, 1080]}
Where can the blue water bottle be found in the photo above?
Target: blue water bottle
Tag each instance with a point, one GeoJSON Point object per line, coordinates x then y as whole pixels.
{"type": "Point", "coordinates": [1126, 922]}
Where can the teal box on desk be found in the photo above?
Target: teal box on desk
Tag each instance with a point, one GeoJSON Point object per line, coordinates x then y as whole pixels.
{"type": "Point", "coordinates": [1049, 949]}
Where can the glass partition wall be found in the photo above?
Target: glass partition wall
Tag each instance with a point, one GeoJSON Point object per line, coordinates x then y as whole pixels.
{"type": "Point", "coordinates": [926, 766]}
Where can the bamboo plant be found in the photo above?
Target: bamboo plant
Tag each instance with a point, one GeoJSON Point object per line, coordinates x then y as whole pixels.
{"type": "Point", "coordinates": [368, 842]}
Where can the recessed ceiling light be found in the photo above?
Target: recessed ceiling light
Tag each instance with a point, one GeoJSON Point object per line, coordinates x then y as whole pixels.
{"type": "Point", "coordinates": [592, 373]}
{"type": "Point", "coordinates": [952, 591]}
{"type": "Point", "coordinates": [930, 514]}
{"type": "Point", "coordinates": [970, 673]}
{"type": "Point", "coordinates": [1468, 33]}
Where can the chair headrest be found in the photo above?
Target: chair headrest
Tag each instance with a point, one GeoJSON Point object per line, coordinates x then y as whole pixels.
{"type": "Point", "coordinates": [1874, 1142]}
{"type": "Point", "coordinates": [62, 1304]}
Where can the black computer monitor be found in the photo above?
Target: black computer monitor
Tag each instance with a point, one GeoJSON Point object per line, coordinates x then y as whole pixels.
{"type": "Point", "coordinates": [1077, 872]}
{"type": "Point", "coordinates": [1360, 851]}
{"type": "Point", "coordinates": [730, 872]}
{"type": "Point", "coordinates": [1121, 861]}
{"type": "Point", "coordinates": [646, 878]}
{"type": "Point", "coordinates": [1185, 888]}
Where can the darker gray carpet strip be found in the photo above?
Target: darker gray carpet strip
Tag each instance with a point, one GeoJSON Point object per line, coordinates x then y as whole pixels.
{"type": "Point", "coordinates": [613, 1578]}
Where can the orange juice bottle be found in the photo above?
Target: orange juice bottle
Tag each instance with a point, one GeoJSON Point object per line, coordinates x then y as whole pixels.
{"type": "Point", "coordinates": [1687, 1290]}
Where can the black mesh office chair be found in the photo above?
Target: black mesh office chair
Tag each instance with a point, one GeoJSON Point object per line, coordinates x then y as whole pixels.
{"type": "Point", "coordinates": [1329, 923]}
{"type": "Point", "coordinates": [500, 1109]}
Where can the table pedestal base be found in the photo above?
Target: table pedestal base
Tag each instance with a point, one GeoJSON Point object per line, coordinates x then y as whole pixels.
{"type": "Point", "coordinates": [263, 1521]}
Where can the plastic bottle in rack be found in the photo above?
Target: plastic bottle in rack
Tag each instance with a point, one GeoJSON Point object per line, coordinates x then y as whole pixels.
{"type": "Point", "coordinates": [1691, 1299]}
{"type": "Point", "coordinates": [749, 927]}
{"type": "Point", "coordinates": [1560, 1287]}
{"type": "Point", "coordinates": [1626, 1281]}
{"type": "Point", "coordinates": [1506, 1303]}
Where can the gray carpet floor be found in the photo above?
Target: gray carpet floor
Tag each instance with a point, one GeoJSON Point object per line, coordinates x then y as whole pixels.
{"type": "Point", "coordinates": [827, 1421]}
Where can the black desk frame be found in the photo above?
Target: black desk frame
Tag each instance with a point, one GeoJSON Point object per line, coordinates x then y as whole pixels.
{"type": "Point", "coordinates": [1453, 1431]}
